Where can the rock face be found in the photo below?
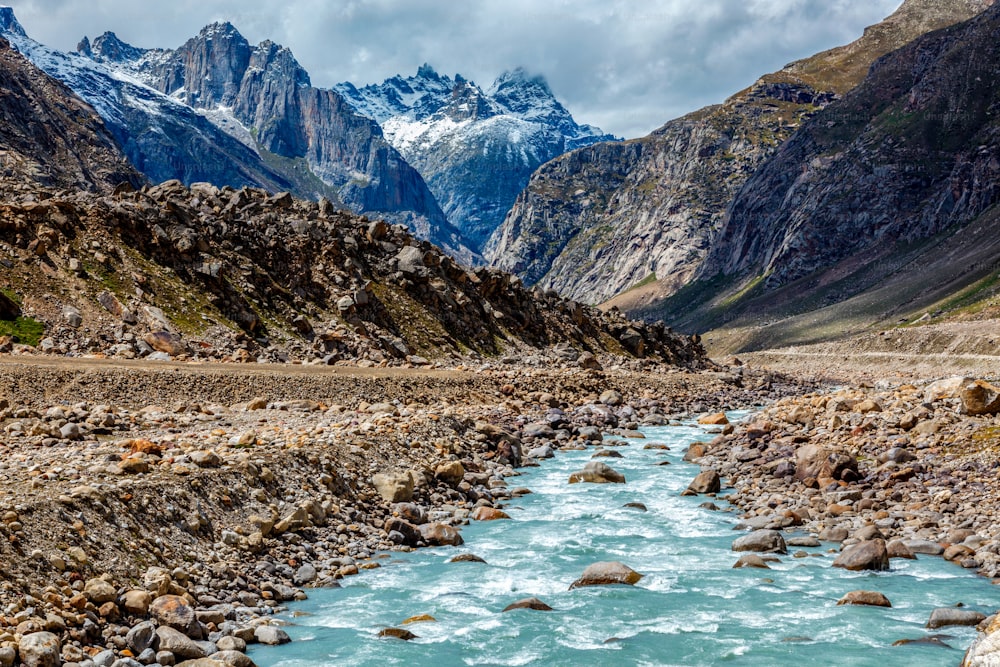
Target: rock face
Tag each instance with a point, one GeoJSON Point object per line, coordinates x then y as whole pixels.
{"type": "Point", "coordinates": [644, 213]}
{"type": "Point", "coordinates": [844, 189]}
{"type": "Point", "coordinates": [51, 138]}
{"type": "Point", "coordinates": [475, 148]}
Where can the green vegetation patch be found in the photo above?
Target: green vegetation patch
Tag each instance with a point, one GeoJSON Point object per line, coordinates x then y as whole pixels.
{"type": "Point", "coordinates": [25, 330]}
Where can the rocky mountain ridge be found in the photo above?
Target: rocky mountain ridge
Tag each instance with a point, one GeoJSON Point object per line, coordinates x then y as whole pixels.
{"type": "Point", "coordinates": [262, 97]}
{"type": "Point", "coordinates": [211, 273]}
{"type": "Point", "coordinates": [475, 147]}
{"type": "Point", "coordinates": [895, 183]}
{"type": "Point", "coordinates": [640, 217]}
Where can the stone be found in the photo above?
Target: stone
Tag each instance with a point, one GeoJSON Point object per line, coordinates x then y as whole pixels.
{"type": "Point", "coordinates": [40, 649]}
{"type": "Point", "coordinates": [306, 574]}
{"type": "Point", "coordinates": [205, 459]}
{"type": "Point", "coordinates": [980, 398]}
{"type": "Point", "coordinates": [231, 643]}
{"type": "Point", "coordinates": [466, 558]}
{"type": "Point", "coordinates": [612, 397]}
{"type": "Point", "coordinates": [99, 591]}
{"type": "Point", "coordinates": [232, 659]}
{"type": "Point", "coordinates": [717, 419]}
{"type": "Point", "coordinates": [596, 472]}
{"type": "Point", "coordinates": [7, 653]}
{"type": "Point", "coordinates": [898, 549]}
{"type": "Point", "coordinates": [924, 547]}
{"type": "Point", "coordinates": [607, 573]}
{"type": "Point", "coordinates": [947, 616]}
{"type": "Point", "coordinates": [394, 487]}
{"type": "Point", "coordinates": [72, 317]}
{"type": "Point", "coordinates": [178, 643]}
{"type": "Point", "coordinates": [439, 534]}
{"type": "Point", "coordinates": [751, 560]}
{"type": "Point", "coordinates": [271, 635]}
{"type": "Point", "coordinates": [488, 514]}
{"type": "Point", "coordinates": [947, 388]}
{"type": "Point", "coordinates": [397, 633]}
{"type": "Point", "coordinates": [865, 598]}
{"type": "Point", "coordinates": [867, 405]}
{"type": "Point", "coordinates": [870, 555]}
{"type": "Point", "coordinates": [420, 618]}
{"type": "Point", "coordinates": [589, 362]}
{"type": "Point", "coordinates": [166, 342]}
{"type": "Point", "coordinates": [172, 611]}
{"type": "Point", "coordinates": [528, 603]}
{"type": "Point", "coordinates": [450, 472]}
{"type": "Point", "coordinates": [761, 541]}
{"type": "Point", "coordinates": [141, 637]}
{"type": "Point", "coordinates": [707, 481]}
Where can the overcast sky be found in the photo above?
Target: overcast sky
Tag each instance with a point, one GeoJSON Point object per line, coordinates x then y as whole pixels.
{"type": "Point", "coordinates": [627, 66]}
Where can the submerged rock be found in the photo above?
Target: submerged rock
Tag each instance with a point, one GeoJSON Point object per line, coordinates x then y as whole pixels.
{"type": "Point", "coordinates": [528, 603]}
{"type": "Point", "coordinates": [865, 598]}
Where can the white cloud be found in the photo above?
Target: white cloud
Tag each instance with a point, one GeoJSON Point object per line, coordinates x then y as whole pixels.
{"type": "Point", "coordinates": [627, 66]}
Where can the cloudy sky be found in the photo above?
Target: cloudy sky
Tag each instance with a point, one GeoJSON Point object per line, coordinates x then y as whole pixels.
{"type": "Point", "coordinates": [627, 66]}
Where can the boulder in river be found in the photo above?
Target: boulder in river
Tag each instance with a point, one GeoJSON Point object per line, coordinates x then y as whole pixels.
{"type": "Point", "coordinates": [761, 541]}
{"type": "Point", "coordinates": [440, 535]}
{"type": "Point", "coordinates": [488, 514]}
{"type": "Point", "coordinates": [607, 573]}
{"type": "Point", "coordinates": [397, 633]}
{"type": "Point", "coordinates": [528, 603]}
{"type": "Point", "coordinates": [870, 555]}
{"type": "Point", "coordinates": [708, 481]}
{"type": "Point", "coordinates": [596, 472]}
{"type": "Point", "coordinates": [945, 616]}
{"type": "Point", "coordinates": [865, 598]}
{"type": "Point", "coordinates": [751, 560]}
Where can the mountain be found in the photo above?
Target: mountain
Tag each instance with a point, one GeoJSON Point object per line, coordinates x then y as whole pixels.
{"type": "Point", "coordinates": [475, 148]}
{"type": "Point", "coordinates": [884, 203]}
{"type": "Point", "coordinates": [50, 138]}
{"type": "Point", "coordinates": [640, 217]}
{"type": "Point", "coordinates": [263, 125]}
{"type": "Point", "coordinates": [93, 265]}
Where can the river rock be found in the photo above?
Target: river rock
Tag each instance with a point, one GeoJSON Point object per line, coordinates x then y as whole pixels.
{"type": "Point", "coordinates": [40, 649]}
{"type": "Point", "coordinates": [945, 616]}
{"type": "Point", "coordinates": [925, 547]}
{"type": "Point", "coordinates": [695, 451]}
{"type": "Point", "coordinates": [751, 560]}
{"type": "Point", "coordinates": [761, 541]}
{"type": "Point", "coordinates": [397, 633]}
{"type": "Point", "coordinates": [898, 549]}
{"type": "Point", "coordinates": [232, 659]}
{"type": "Point", "coordinates": [611, 397]}
{"type": "Point", "coordinates": [528, 603]}
{"type": "Point", "coordinates": [717, 419]}
{"type": "Point", "coordinates": [488, 514]}
{"type": "Point", "coordinates": [980, 398]}
{"type": "Point", "coordinates": [178, 643]}
{"type": "Point", "coordinates": [172, 611]}
{"type": "Point", "coordinates": [707, 481]}
{"type": "Point", "coordinates": [596, 472]}
{"type": "Point", "coordinates": [450, 472]}
{"type": "Point", "coordinates": [409, 533]}
{"type": "Point", "coordinates": [231, 643]}
{"type": "Point", "coordinates": [606, 573]}
{"type": "Point", "coordinates": [865, 598]}
{"type": "Point", "coordinates": [870, 555]}
{"type": "Point", "coordinates": [394, 487]}
{"type": "Point", "coordinates": [142, 637]}
{"type": "Point", "coordinates": [271, 635]}
{"type": "Point", "coordinates": [439, 534]}
{"type": "Point", "coordinates": [466, 558]}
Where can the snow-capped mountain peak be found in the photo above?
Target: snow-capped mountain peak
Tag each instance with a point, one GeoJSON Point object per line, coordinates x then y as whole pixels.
{"type": "Point", "coordinates": [9, 24]}
{"type": "Point", "coordinates": [475, 148]}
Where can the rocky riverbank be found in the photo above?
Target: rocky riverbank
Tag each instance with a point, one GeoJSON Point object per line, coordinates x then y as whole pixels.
{"type": "Point", "coordinates": [883, 472]}
{"type": "Point", "coordinates": [161, 515]}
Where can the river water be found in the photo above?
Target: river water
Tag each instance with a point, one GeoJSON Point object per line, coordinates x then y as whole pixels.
{"type": "Point", "coordinates": [690, 608]}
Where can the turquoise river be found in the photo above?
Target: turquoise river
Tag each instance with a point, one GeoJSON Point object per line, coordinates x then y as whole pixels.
{"type": "Point", "coordinates": [690, 608]}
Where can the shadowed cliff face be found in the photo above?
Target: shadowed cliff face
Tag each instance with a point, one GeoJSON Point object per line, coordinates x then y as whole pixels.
{"type": "Point", "coordinates": [648, 216]}
{"type": "Point", "coordinates": [50, 139]}
{"type": "Point", "coordinates": [269, 103]}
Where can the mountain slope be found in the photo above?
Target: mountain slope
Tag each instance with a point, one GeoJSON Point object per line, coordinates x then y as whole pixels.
{"type": "Point", "coordinates": [476, 148]}
{"type": "Point", "coordinates": [650, 209]}
{"type": "Point", "coordinates": [49, 137]}
{"type": "Point", "coordinates": [163, 139]}
{"type": "Point", "coordinates": [900, 167]}
{"type": "Point", "coordinates": [263, 97]}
